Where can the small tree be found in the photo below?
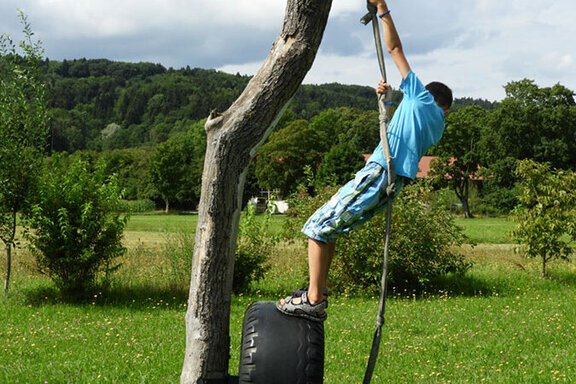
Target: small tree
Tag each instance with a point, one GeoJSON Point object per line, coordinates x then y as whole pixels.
{"type": "Point", "coordinates": [166, 170]}
{"type": "Point", "coordinates": [23, 130]}
{"type": "Point", "coordinates": [77, 231]}
{"type": "Point", "coordinates": [175, 168]}
{"type": "Point", "coordinates": [546, 216]}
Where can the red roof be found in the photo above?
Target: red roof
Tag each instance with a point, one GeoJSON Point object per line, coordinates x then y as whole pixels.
{"type": "Point", "coordinates": [424, 167]}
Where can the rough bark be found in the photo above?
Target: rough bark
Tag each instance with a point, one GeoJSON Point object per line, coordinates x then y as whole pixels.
{"type": "Point", "coordinates": [232, 140]}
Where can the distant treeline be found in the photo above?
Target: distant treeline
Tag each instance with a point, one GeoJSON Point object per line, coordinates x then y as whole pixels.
{"type": "Point", "coordinates": [101, 104]}
{"type": "Point", "coordinates": [146, 123]}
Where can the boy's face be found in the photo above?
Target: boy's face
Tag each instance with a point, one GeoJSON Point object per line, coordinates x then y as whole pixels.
{"type": "Point", "coordinates": [445, 109]}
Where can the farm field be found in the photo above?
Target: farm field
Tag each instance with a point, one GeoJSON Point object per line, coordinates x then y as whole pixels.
{"type": "Point", "coordinates": [500, 323]}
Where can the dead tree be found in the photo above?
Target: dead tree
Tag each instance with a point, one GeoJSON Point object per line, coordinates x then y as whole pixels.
{"type": "Point", "coordinates": [232, 140]}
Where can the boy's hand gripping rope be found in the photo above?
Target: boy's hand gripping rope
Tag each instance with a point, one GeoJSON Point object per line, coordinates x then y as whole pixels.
{"type": "Point", "coordinates": [383, 102]}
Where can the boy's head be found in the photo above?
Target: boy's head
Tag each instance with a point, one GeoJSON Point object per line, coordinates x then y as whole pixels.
{"type": "Point", "coordinates": [442, 94]}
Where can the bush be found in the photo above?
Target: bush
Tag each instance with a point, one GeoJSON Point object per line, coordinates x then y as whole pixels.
{"type": "Point", "coordinates": [422, 244]}
{"type": "Point", "coordinates": [77, 231]}
{"type": "Point", "coordinates": [255, 243]}
{"type": "Point", "coordinates": [497, 200]}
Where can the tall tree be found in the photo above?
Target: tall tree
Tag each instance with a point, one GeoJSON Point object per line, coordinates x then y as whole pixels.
{"type": "Point", "coordinates": [280, 162]}
{"type": "Point", "coordinates": [233, 138]}
{"type": "Point", "coordinates": [531, 123]}
{"type": "Point", "coordinates": [459, 152]}
{"type": "Point", "coordinates": [23, 131]}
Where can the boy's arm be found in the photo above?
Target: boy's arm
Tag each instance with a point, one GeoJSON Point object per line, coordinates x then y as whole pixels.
{"type": "Point", "coordinates": [391, 38]}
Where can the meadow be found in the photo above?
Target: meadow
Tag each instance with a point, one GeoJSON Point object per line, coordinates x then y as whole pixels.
{"type": "Point", "coordinates": [500, 323]}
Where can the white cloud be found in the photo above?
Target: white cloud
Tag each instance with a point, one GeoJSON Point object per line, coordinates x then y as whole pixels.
{"type": "Point", "coordinates": [476, 46]}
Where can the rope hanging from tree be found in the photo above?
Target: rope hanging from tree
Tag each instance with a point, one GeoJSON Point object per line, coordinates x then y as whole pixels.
{"type": "Point", "coordinates": [383, 102]}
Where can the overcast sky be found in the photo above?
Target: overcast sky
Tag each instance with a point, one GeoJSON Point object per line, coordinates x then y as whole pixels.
{"type": "Point", "coordinates": [475, 46]}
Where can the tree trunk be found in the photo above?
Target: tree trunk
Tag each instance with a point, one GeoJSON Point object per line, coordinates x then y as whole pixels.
{"type": "Point", "coordinates": [466, 207]}
{"type": "Point", "coordinates": [166, 206]}
{"type": "Point", "coordinates": [8, 267]}
{"type": "Point", "coordinates": [463, 192]}
{"type": "Point", "coordinates": [9, 243]}
{"type": "Point", "coordinates": [233, 138]}
{"type": "Point", "coordinates": [544, 260]}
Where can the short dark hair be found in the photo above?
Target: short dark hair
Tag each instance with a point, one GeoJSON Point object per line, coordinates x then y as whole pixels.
{"type": "Point", "coordinates": [442, 94]}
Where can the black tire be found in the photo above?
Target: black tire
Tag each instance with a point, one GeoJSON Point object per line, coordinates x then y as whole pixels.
{"type": "Point", "coordinates": [280, 349]}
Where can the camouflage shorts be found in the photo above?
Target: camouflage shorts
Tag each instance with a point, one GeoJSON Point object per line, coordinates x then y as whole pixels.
{"type": "Point", "coordinates": [355, 203]}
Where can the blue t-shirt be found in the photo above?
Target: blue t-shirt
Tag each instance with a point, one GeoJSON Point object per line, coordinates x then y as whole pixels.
{"type": "Point", "coordinates": [418, 123]}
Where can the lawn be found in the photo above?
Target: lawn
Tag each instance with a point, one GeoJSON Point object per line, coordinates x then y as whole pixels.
{"type": "Point", "coordinates": [500, 323]}
{"type": "Point", "coordinates": [487, 230]}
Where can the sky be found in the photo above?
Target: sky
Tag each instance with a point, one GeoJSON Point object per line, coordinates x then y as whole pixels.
{"type": "Point", "coordinates": [474, 46]}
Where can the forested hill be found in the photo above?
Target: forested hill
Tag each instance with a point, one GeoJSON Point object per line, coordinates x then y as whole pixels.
{"type": "Point", "coordinates": [102, 104]}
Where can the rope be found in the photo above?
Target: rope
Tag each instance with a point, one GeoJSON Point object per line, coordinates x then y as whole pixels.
{"type": "Point", "coordinates": [383, 100]}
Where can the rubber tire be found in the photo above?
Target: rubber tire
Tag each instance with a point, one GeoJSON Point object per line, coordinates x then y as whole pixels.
{"type": "Point", "coordinates": [280, 349]}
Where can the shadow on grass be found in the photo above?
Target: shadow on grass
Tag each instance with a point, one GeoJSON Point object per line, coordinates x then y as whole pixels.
{"type": "Point", "coordinates": [464, 285]}
{"type": "Point", "coordinates": [452, 285]}
{"type": "Point", "coordinates": [562, 277]}
{"type": "Point", "coordinates": [143, 297]}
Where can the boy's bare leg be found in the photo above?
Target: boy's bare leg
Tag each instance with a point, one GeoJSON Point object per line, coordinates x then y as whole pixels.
{"type": "Point", "coordinates": [319, 259]}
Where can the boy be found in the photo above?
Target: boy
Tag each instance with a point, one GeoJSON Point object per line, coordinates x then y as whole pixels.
{"type": "Point", "coordinates": [418, 123]}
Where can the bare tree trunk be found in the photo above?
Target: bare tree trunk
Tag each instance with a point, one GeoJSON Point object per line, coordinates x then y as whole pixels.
{"type": "Point", "coordinates": [8, 266]}
{"type": "Point", "coordinates": [8, 241]}
{"type": "Point", "coordinates": [232, 140]}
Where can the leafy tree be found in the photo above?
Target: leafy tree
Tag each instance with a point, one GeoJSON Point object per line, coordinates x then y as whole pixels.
{"type": "Point", "coordinates": [77, 231]}
{"type": "Point", "coordinates": [280, 162]}
{"type": "Point", "coordinates": [167, 169]}
{"type": "Point", "coordinates": [546, 216]}
{"type": "Point", "coordinates": [349, 125]}
{"type": "Point", "coordinates": [460, 153]}
{"type": "Point", "coordinates": [339, 164]}
{"type": "Point", "coordinates": [531, 123]}
{"type": "Point", "coordinates": [23, 130]}
{"type": "Point", "coordinates": [130, 165]}
{"type": "Point", "coordinates": [175, 167]}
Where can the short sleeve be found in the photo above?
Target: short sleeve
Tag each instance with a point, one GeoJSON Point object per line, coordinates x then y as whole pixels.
{"type": "Point", "coordinates": [412, 87]}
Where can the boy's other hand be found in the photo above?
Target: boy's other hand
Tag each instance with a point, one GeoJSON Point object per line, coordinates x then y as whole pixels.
{"type": "Point", "coordinates": [383, 87]}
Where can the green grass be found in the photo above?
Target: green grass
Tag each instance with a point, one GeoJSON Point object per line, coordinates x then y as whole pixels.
{"type": "Point", "coordinates": [487, 230]}
{"type": "Point", "coordinates": [163, 223]}
{"type": "Point", "coordinates": [167, 223]}
{"type": "Point", "coordinates": [500, 323]}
